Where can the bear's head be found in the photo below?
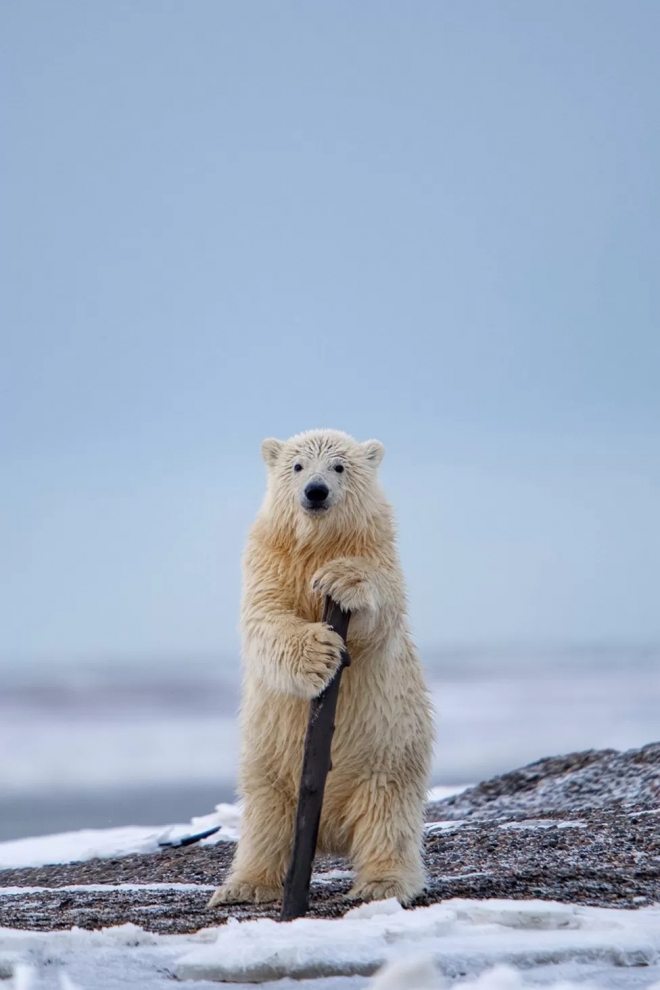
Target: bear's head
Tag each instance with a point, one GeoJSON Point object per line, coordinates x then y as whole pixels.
{"type": "Point", "coordinates": [323, 478]}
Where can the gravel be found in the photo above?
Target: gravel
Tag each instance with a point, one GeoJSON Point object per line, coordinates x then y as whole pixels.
{"type": "Point", "coordinates": [584, 781]}
{"type": "Point", "coordinates": [583, 828]}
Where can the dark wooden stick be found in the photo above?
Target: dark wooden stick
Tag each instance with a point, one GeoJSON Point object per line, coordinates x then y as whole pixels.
{"type": "Point", "coordinates": [315, 767]}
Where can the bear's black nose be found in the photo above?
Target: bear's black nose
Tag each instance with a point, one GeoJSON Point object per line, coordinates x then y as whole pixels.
{"type": "Point", "coordinates": [316, 491]}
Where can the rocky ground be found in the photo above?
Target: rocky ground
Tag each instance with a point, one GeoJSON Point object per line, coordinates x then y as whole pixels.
{"type": "Point", "coordinates": [583, 828]}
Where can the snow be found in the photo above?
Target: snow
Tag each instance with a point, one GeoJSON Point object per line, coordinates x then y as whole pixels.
{"type": "Point", "coordinates": [489, 945]}
{"type": "Point", "coordinates": [421, 974]}
{"type": "Point", "coordinates": [70, 847]}
{"type": "Point", "coordinates": [331, 875]}
{"type": "Point", "coordinates": [541, 823]}
{"type": "Point", "coordinates": [443, 791]}
{"type": "Point", "coordinates": [462, 937]}
{"type": "Point", "coordinates": [486, 945]}
{"type": "Point", "coordinates": [432, 827]}
{"type": "Point", "coordinates": [109, 843]}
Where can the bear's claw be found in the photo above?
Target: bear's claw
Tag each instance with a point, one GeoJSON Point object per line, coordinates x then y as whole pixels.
{"type": "Point", "coordinates": [345, 583]}
{"type": "Point", "coordinates": [244, 892]}
{"type": "Point", "coordinates": [320, 657]}
{"type": "Point", "coordinates": [381, 890]}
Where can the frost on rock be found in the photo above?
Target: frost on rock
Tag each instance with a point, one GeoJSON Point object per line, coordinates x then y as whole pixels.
{"type": "Point", "coordinates": [604, 778]}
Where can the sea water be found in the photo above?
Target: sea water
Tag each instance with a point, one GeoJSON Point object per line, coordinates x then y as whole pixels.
{"type": "Point", "coordinates": [155, 740]}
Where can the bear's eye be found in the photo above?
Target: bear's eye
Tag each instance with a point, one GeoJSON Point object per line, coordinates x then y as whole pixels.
{"type": "Point", "coordinates": [297, 467]}
{"type": "Point", "coordinates": [339, 468]}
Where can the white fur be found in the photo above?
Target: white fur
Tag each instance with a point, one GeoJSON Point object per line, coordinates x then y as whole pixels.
{"type": "Point", "coordinates": [375, 795]}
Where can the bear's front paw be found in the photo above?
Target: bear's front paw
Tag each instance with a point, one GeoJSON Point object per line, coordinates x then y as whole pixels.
{"type": "Point", "coordinates": [346, 583]}
{"type": "Point", "coordinates": [244, 892]}
{"type": "Point", "coordinates": [320, 657]}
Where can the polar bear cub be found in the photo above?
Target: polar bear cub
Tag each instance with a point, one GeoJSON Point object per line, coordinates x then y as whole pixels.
{"type": "Point", "coordinates": [325, 528]}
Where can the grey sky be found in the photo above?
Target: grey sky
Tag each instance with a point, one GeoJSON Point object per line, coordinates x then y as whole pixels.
{"type": "Point", "coordinates": [435, 223]}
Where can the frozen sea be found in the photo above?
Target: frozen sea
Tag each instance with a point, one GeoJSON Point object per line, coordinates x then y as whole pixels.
{"type": "Point", "coordinates": [100, 744]}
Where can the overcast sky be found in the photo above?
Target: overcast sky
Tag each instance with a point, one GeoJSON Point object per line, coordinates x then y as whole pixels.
{"type": "Point", "coordinates": [434, 223]}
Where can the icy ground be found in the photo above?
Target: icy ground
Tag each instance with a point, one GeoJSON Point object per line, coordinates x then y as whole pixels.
{"type": "Point", "coordinates": [477, 944]}
{"type": "Point", "coordinates": [544, 944]}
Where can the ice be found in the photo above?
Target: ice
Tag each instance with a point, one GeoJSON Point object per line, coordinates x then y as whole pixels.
{"type": "Point", "coordinates": [23, 977]}
{"type": "Point", "coordinates": [422, 974]}
{"type": "Point", "coordinates": [66, 983]}
{"type": "Point", "coordinates": [489, 945]}
{"type": "Point", "coordinates": [407, 974]}
{"type": "Point", "coordinates": [70, 847]}
{"type": "Point", "coordinates": [8, 963]}
{"type": "Point", "coordinates": [462, 937]}
{"type": "Point", "coordinates": [92, 960]}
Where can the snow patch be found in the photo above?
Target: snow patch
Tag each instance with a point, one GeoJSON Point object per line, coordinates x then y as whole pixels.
{"type": "Point", "coordinates": [71, 847]}
{"type": "Point", "coordinates": [23, 977]}
{"type": "Point", "coordinates": [482, 942]}
{"type": "Point", "coordinates": [432, 827]}
{"type": "Point", "coordinates": [443, 791]}
{"type": "Point", "coordinates": [461, 936]}
{"type": "Point", "coordinates": [108, 843]}
{"type": "Point", "coordinates": [543, 823]}
{"type": "Point", "coordinates": [331, 875]}
{"type": "Point", "coordinates": [422, 974]}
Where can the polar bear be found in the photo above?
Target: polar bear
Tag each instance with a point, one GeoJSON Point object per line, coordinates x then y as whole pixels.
{"type": "Point", "coordinates": [325, 528]}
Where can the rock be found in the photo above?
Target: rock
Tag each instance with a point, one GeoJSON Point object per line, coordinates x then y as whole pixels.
{"type": "Point", "coordinates": [595, 779]}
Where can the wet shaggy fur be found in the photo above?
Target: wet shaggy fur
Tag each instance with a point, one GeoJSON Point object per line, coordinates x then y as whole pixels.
{"type": "Point", "coordinates": [375, 795]}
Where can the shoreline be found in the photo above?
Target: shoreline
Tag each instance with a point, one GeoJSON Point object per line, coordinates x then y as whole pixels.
{"type": "Point", "coordinates": [580, 829]}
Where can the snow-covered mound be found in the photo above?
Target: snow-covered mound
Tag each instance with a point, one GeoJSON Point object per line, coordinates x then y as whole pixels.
{"type": "Point", "coordinates": [594, 779]}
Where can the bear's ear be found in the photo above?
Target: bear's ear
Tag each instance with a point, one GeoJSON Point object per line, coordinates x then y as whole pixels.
{"type": "Point", "coordinates": [373, 451]}
{"type": "Point", "coordinates": [270, 450]}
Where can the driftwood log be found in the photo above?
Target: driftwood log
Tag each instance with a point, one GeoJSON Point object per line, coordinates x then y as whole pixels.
{"type": "Point", "coordinates": [315, 767]}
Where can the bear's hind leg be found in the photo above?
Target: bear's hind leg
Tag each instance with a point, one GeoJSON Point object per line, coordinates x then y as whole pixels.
{"type": "Point", "coordinates": [387, 818]}
{"type": "Point", "coordinates": [263, 852]}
